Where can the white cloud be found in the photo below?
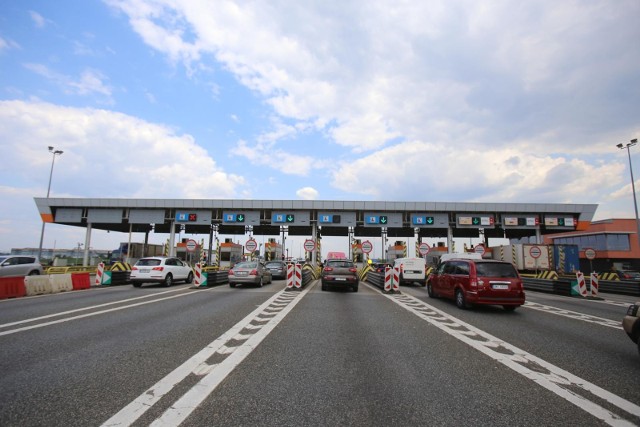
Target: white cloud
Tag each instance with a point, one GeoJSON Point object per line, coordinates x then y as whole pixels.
{"type": "Point", "coordinates": [90, 81]}
{"type": "Point", "coordinates": [307, 193]}
{"type": "Point", "coordinates": [37, 19]}
{"type": "Point", "coordinates": [106, 154]}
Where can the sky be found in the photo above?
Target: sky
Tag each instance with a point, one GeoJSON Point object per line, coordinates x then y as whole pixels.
{"type": "Point", "coordinates": [446, 101]}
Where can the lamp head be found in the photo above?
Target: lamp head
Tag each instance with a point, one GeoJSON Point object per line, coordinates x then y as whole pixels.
{"type": "Point", "coordinates": [50, 148]}
{"type": "Point", "coordinates": [619, 145]}
{"type": "Point", "coordinates": [58, 152]}
{"type": "Point", "coordinates": [634, 141]}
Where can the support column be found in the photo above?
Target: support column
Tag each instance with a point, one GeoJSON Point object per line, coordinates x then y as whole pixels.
{"type": "Point", "coordinates": [314, 233]}
{"type": "Point", "coordinates": [172, 239]}
{"type": "Point", "coordinates": [449, 239]}
{"type": "Point", "coordinates": [87, 246]}
{"type": "Point", "coordinates": [128, 260]}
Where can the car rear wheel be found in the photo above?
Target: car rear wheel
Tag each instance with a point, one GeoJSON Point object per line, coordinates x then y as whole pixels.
{"type": "Point", "coordinates": [260, 283]}
{"type": "Point", "coordinates": [355, 288]}
{"type": "Point", "coordinates": [461, 301]}
{"type": "Point", "coordinates": [324, 286]}
{"type": "Point", "coordinates": [34, 273]}
{"type": "Point", "coordinates": [137, 284]}
{"type": "Point", "coordinates": [168, 281]}
{"type": "Point", "coordinates": [189, 278]}
{"type": "Point", "coordinates": [430, 291]}
{"type": "Point", "coordinates": [510, 307]}
{"type": "Point", "coordinates": [232, 285]}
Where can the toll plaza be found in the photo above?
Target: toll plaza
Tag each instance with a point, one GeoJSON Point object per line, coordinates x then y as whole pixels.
{"type": "Point", "coordinates": [314, 219]}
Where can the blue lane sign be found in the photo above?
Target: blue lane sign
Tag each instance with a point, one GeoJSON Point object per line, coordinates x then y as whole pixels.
{"type": "Point", "coordinates": [231, 217]}
{"type": "Point", "coordinates": [283, 217]}
{"type": "Point", "coordinates": [329, 219]}
{"type": "Point", "coordinates": [376, 219]}
{"type": "Point", "coordinates": [423, 220]}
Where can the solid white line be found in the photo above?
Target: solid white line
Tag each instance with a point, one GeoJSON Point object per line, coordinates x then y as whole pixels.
{"type": "Point", "coordinates": [615, 324]}
{"type": "Point", "coordinates": [95, 313]}
{"type": "Point", "coordinates": [62, 313]}
{"type": "Point", "coordinates": [552, 381]}
{"type": "Point", "coordinates": [196, 365]}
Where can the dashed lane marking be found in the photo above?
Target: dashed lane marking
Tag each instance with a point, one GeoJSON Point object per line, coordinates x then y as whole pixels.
{"type": "Point", "coordinates": [574, 315]}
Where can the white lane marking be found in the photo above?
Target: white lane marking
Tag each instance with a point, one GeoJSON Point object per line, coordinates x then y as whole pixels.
{"type": "Point", "coordinates": [213, 373]}
{"type": "Point", "coordinates": [95, 313]}
{"type": "Point", "coordinates": [615, 324]}
{"type": "Point", "coordinates": [62, 313]}
{"type": "Point", "coordinates": [551, 377]}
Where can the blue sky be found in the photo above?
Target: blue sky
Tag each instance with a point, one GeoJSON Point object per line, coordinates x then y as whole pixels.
{"type": "Point", "coordinates": [471, 101]}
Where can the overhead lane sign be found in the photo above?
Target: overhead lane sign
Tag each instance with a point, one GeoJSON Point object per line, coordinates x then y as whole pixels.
{"type": "Point", "coordinates": [381, 219]}
{"type": "Point", "coordinates": [430, 220]}
{"type": "Point", "coordinates": [241, 218]}
{"type": "Point", "coordinates": [290, 218]}
{"type": "Point", "coordinates": [475, 221]}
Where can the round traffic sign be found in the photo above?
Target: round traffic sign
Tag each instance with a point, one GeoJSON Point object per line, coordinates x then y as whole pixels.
{"type": "Point", "coordinates": [535, 251]}
{"type": "Point", "coordinates": [424, 248]}
{"type": "Point", "coordinates": [479, 249]}
{"type": "Point", "coordinates": [251, 245]}
{"type": "Point", "coordinates": [191, 245]}
{"type": "Point", "coordinates": [309, 245]}
{"type": "Point", "coordinates": [367, 246]}
{"type": "Point", "coordinates": [590, 253]}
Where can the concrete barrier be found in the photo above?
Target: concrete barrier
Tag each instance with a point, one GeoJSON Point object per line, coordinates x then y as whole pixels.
{"type": "Point", "coordinates": [37, 285]}
{"type": "Point", "coordinates": [61, 282]}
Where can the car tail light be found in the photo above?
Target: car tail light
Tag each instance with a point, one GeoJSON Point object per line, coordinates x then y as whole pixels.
{"type": "Point", "coordinates": [626, 276]}
{"type": "Point", "coordinates": [231, 273]}
{"type": "Point", "coordinates": [157, 269]}
{"type": "Point", "coordinates": [328, 269]}
{"type": "Point", "coordinates": [254, 272]}
{"type": "Point", "coordinates": [134, 268]}
{"type": "Point", "coordinates": [353, 270]}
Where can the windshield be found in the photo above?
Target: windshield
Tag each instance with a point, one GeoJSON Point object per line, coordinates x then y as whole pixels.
{"type": "Point", "coordinates": [2, 258]}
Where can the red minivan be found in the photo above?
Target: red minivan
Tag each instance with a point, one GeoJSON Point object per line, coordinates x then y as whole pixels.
{"type": "Point", "coordinates": [477, 281]}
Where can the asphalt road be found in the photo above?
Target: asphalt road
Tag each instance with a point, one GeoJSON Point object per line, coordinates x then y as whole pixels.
{"type": "Point", "coordinates": [262, 356]}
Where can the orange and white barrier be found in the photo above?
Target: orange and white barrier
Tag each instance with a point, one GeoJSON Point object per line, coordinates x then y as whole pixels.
{"type": "Point", "coordinates": [60, 282]}
{"type": "Point", "coordinates": [582, 286]}
{"type": "Point", "coordinates": [594, 284]}
{"type": "Point", "coordinates": [37, 285]}
{"type": "Point", "coordinates": [99, 274]}
{"type": "Point", "coordinates": [294, 276]}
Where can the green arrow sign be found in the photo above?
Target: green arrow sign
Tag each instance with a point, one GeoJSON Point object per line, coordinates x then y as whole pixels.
{"type": "Point", "coordinates": [429, 220]}
{"type": "Point", "coordinates": [383, 219]}
{"type": "Point", "coordinates": [476, 220]}
{"type": "Point", "coordinates": [290, 218]}
{"type": "Point", "coordinates": [240, 218]}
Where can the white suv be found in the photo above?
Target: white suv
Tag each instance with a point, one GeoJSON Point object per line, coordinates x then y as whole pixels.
{"type": "Point", "coordinates": [164, 270]}
{"type": "Point", "coordinates": [19, 265]}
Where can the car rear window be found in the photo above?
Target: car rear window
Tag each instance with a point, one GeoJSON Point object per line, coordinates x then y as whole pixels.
{"type": "Point", "coordinates": [247, 265]}
{"type": "Point", "coordinates": [149, 262]}
{"type": "Point", "coordinates": [340, 264]}
{"type": "Point", "coordinates": [496, 269]}
{"type": "Point", "coordinates": [274, 264]}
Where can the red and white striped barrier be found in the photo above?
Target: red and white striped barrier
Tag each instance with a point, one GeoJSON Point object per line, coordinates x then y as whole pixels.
{"type": "Point", "coordinates": [391, 279]}
{"type": "Point", "coordinates": [388, 278]}
{"type": "Point", "coordinates": [99, 273]}
{"type": "Point", "coordinates": [396, 279]}
{"type": "Point", "coordinates": [198, 275]}
{"type": "Point", "coordinates": [582, 286]}
{"type": "Point", "coordinates": [594, 284]}
{"type": "Point", "coordinates": [294, 276]}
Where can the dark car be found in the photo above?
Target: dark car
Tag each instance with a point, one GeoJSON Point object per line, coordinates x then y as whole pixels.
{"type": "Point", "coordinates": [628, 275]}
{"type": "Point", "coordinates": [339, 273]}
{"type": "Point", "coordinates": [631, 323]}
{"type": "Point", "coordinates": [278, 269]}
{"type": "Point", "coordinates": [474, 281]}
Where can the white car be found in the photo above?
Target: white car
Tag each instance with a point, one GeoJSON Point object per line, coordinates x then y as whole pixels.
{"type": "Point", "coordinates": [165, 270]}
{"type": "Point", "coordinates": [411, 270]}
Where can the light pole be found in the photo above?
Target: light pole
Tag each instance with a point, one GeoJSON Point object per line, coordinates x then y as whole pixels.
{"type": "Point", "coordinates": [53, 160]}
{"type": "Point", "coordinates": [633, 185]}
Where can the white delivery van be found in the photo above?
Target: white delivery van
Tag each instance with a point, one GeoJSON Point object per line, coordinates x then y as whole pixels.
{"type": "Point", "coordinates": [411, 270]}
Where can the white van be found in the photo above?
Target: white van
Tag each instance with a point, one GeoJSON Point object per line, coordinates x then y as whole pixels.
{"type": "Point", "coordinates": [411, 270]}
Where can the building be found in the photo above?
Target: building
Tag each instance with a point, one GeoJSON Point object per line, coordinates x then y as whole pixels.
{"type": "Point", "coordinates": [615, 242]}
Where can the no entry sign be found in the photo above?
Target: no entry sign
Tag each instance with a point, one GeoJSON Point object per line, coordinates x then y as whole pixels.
{"type": "Point", "coordinates": [367, 247]}
{"type": "Point", "coordinates": [535, 251]}
{"type": "Point", "coordinates": [309, 245]}
{"type": "Point", "coordinates": [424, 248]}
{"type": "Point", "coordinates": [191, 245]}
{"type": "Point", "coordinates": [251, 245]}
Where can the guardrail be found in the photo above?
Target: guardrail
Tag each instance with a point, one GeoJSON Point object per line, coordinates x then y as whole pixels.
{"type": "Point", "coordinates": [562, 286]}
{"type": "Point", "coordinates": [375, 278]}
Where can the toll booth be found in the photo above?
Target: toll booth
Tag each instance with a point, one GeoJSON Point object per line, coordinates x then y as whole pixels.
{"type": "Point", "coordinates": [356, 251]}
{"type": "Point", "coordinates": [230, 254]}
{"type": "Point", "coordinates": [397, 250]}
{"type": "Point", "coordinates": [272, 250]}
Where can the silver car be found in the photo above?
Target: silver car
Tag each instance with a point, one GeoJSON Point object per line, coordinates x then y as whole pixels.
{"type": "Point", "coordinates": [251, 272]}
{"type": "Point", "coordinates": [165, 270]}
{"type": "Point", "coordinates": [19, 265]}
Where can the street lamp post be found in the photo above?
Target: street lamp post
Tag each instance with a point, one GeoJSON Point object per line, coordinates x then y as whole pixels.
{"type": "Point", "coordinates": [633, 185]}
{"type": "Point", "coordinates": [53, 160]}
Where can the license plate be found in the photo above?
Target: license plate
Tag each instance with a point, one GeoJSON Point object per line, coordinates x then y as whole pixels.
{"type": "Point", "coordinates": [241, 273]}
{"type": "Point", "coordinates": [341, 279]}
{"type": "Point", "coordinates": [500, 286]}
{"type": "Point", "coordinates": [144, 270]}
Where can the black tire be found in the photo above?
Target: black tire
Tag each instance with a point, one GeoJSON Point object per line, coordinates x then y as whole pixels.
{"type": "Point", "coordinates": [431, 292]}
{"type": "Point", "coordinates": [189, 278]}
{"type": "Point", "coordinates": [510, 307]}
{"type": "Point", "coordinates": [423, 283]}
{"type": "Point", "coordinates": [638, 347]}
{"type": "Point", "coordinates": [34, 273]}
{"type": "Point", "coordinates": [232, 285]}
{"type": "Point", "coordinates": [355, 288]}
{"type": "Point", "coordinates": [137, 284]}
{"type": "Point", "coordinates": [168, 281]}
{"type": "Point", "coordinates": [461, 301]}
{"type": "Point", "coordinates": [260, 284]}
{"type": "Point", "coordinates": [324, 287]}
